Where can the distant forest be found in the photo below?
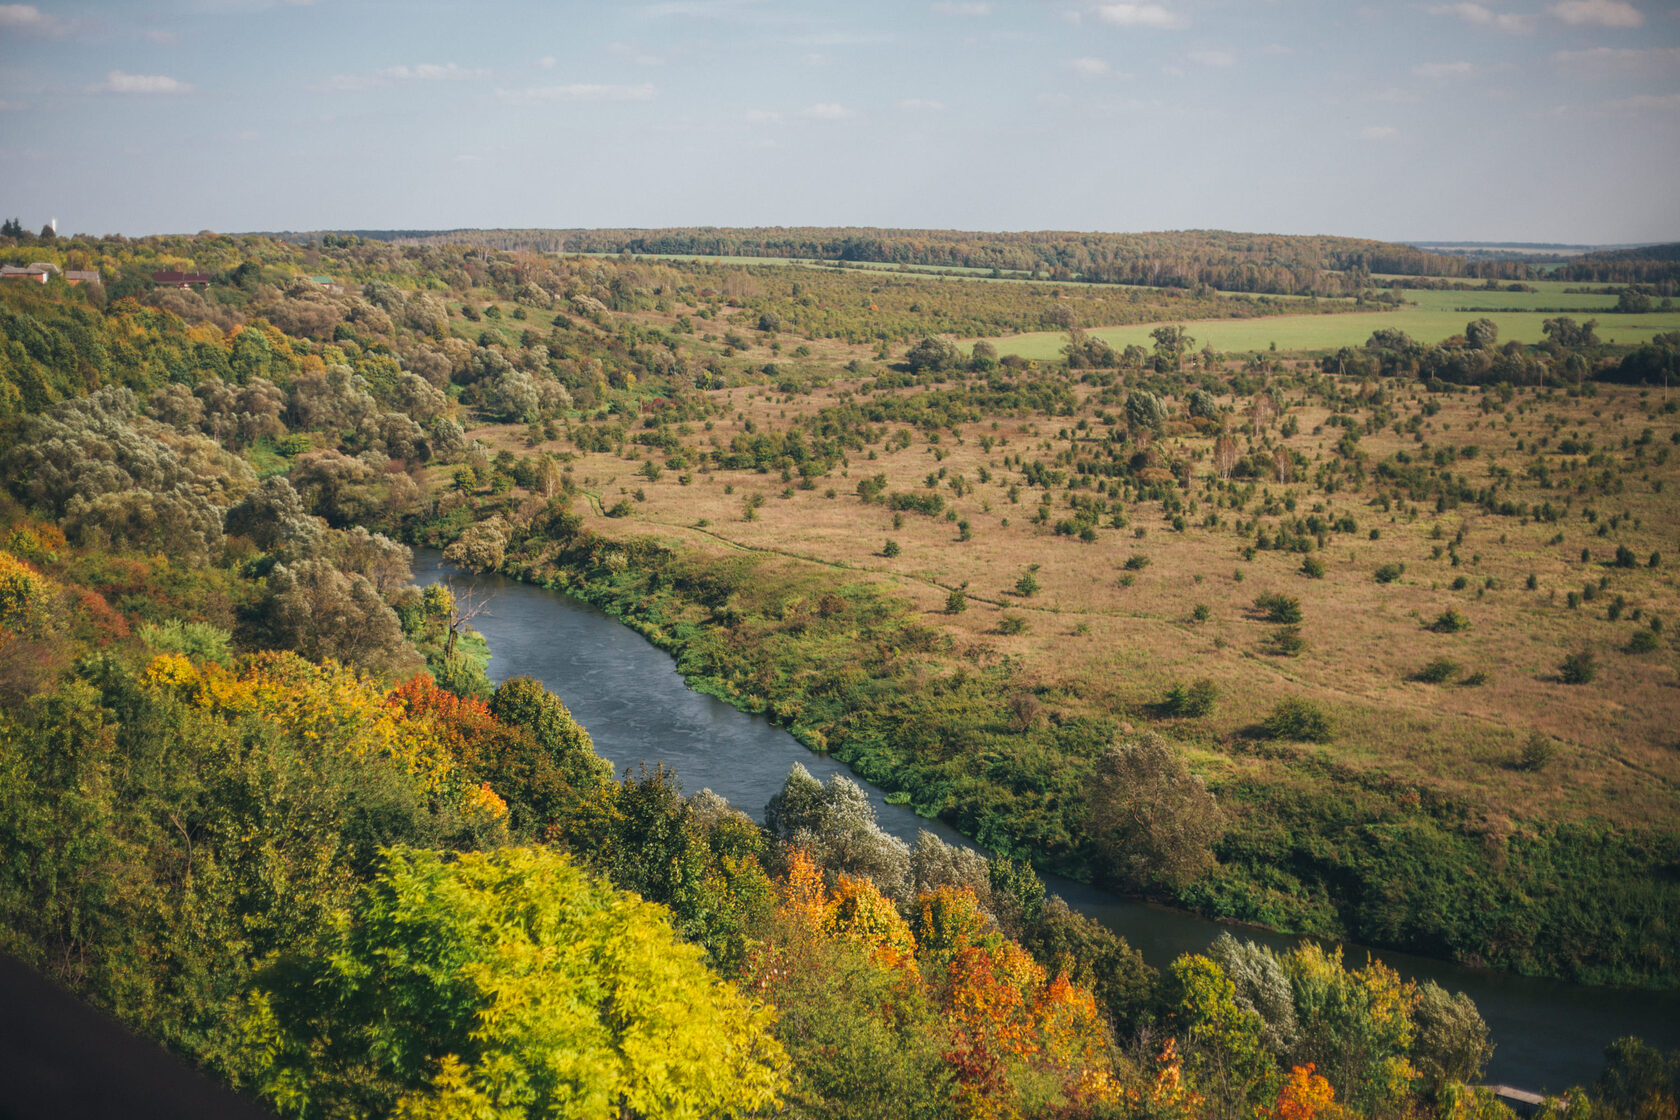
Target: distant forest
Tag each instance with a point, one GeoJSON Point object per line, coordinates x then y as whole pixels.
{"type": "Point", "coordinates": [1272, 264]}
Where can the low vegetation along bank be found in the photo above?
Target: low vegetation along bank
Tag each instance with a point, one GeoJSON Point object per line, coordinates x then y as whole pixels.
{"type": "Point", "coordinates": [1309, 847]}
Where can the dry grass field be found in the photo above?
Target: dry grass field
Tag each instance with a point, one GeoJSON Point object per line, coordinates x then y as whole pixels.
{"type": "Point", "coordinates": [1106, 638]}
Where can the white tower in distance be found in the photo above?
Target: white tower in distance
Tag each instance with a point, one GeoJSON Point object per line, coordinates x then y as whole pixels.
{"type": "Point", "coordinates": [52, 224]}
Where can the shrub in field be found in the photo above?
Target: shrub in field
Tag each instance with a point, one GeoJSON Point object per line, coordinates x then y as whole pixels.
{"type": "Point", "coordinates": [1298, 719]}
{"type": "Point", "coordinates": [1012, 624]}
{"type": "Point", "coordinates": [1477, 679]}
{"type": "Point", "coordinates": [1137, 562]}
{"type": "Point", "coordinates": [1537, 751]}
{"type": "Point", "coordinates": [1438, 671]}
{"type": "Point", "coordinates": [1192, 700]}
{"type": "Point", "coordinates": [1201, 612]}
{"type": "Point", "coordinates": [1578, 668]}
{"type": "Point", "coordinates": [1277, 607]}
{"type": "Point", "coordinates": [1313, 567]}
{"type": "Point", "coordinates": [1388, 573]}
{"type": "Point", "coordinates": [956, 603]}
{"type": "Point", "coordinates": [890, 549]}
{"type": "Point", "coordinates": [1449, 622]}
{"type": "Point", "coordinates": [1286, 641]}
{"type": "Point", "coordinates": [1643, 641]}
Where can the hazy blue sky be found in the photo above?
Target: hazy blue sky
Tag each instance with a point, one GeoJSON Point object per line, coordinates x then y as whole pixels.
{"type": "Point", "coordinates": [1535, 120]}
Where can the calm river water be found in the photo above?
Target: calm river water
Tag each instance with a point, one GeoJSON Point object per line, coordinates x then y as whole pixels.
{"type": "Point", "coordinates": [627, 692]}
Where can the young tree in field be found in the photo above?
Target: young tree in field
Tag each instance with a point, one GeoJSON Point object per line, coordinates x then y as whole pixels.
{"type": "Point", "coordinates": [1172, 342]}
{"type": "Point", "coordinates": [1145, 412]}
{"type": "Point", "coordinates": [1153, 820]}
{"type": "Point", "coordinates": [1225, 456]}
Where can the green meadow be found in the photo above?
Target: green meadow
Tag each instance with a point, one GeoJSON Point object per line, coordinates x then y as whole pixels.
{"type": "Point", "coordinates": [1331, 332]}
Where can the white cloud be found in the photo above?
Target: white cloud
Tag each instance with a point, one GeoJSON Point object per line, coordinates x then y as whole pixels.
{"type": "Point", "coordinates": [921, 105]}
{"type": "Point", "coordinates": [763, 116]}
{"type": "Point", "coordinates": [576, 91]}
{"type": "Point", "coordinates": [29, 18]}
{"type": "Point", "coordinates": [949, 8]}
{"type": "Point", "coordinates": [429, 72]}
{"type": "Point", "coordinates": [1618, 14]}
{"type": "Point", "coordinates": [1212, 58]}
{"type": "Point", "coordinates": [161, 38]}
{"type": "Point", "coordinates": [1480, 15]}
{"type": "Point", "coordinates": [827, 111]}
{"type": "Point", "coordinates": [546, 62]}
{"type": "Point", "coordinates": [1141, 15]}
{"type": "Point", "coordinates": [1612, 62]}
{"type": "Point", "coordinates": [1090, 67]}
{"type": "Point", "coordinates": [391, 75]}
{"type": "Point", "coordinates": [1378, 132]}
{"type": "Point", "coordinates": [118, 82]}
{"type": "Point", "coordinates": [1437, 71]}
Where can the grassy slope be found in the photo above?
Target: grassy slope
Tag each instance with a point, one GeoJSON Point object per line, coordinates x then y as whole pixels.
{"type": "Point", "coordinates": [1329, 332]}
{"type": "Point", "coordinates": [1099, 650]}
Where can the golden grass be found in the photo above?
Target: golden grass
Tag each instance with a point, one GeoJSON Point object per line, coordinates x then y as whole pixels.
{"type": "Point", "coordinates": [1100, 647]}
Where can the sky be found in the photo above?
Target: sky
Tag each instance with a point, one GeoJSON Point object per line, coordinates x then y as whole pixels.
{"type": "Point", "coordinates": [1497, 120]}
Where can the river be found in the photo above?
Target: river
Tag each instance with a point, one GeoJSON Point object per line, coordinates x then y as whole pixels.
{"type": "Point", "coordinates": [629, 695]}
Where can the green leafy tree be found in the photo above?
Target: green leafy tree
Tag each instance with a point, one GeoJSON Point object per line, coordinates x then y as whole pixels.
{"type": "Point", "coordinates": [1220, 1038]}
{"type": "Point", "coordinates": [1154, 821]}
{"type": "Point", "coordinates": [506, 984]}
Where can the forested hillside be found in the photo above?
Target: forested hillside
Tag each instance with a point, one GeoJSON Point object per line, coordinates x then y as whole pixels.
{"type": "Point", "coordinates": [259, 799]}
{"type": "Point", "coordinates": [1233, 262]}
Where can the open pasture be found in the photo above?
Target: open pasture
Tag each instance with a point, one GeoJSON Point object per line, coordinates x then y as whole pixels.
{"type": "Point", "coordinates": [1331, 332]}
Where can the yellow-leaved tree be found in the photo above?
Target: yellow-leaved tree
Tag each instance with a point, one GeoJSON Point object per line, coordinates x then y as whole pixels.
{"type": "Point", "coordinates": [506, 984]}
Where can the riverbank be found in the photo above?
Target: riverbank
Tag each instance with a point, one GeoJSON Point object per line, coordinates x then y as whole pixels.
{"type": "Point", "coordinates": [640, 711]}
{"type": "Point", "coordinates": [1311, 847]}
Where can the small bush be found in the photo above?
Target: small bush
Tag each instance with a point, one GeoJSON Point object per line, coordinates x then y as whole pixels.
{"type": "Point", "coordinates": [1026, 586]}
{"type": "Point", "coordinates": [1137, 562]}
{"type": "Point", "coordinates": [956, 603]}
{"type": "Point", "coordinates": [1536, 752]}
{"type": "Point", "coordinates": [1578, 668]}
{"type": "Point", "coordinates": [890, 549]}
{"type": "Point", "coordinates": [1312, 567]}
{"type": "Point", "coordinates": [1388, 573]}
{"type": "Point", "coordinates": [1477, 679]}
{"type": "Point", "coordinates": [1449, 622]}
{"type": "Point", "coordinates": [1277, 607]}
{"type": "Point", "coordinates": [1012, 624]}
{"type": "Point", "coordinates": [1201, 612]}
{"type": "Point", "coordinates": [1301, 720]}
{"type": "Point", "coordinates": [1439, 671]}
{"type": "Point", "coordinates": [1625, 557]}
{"type": "Point", "coordinates": [1643, 641]}
{"type": "Point", "coordinates": [1286, 641]}
{"type": "Point", "coordinates": [1192, 700]}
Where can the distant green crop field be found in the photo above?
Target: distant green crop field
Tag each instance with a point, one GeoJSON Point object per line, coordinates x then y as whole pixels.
{"type": "Point", "coordinates": [1330, 332]}
{"type": "Point", "coordinates": [1552, 298]}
